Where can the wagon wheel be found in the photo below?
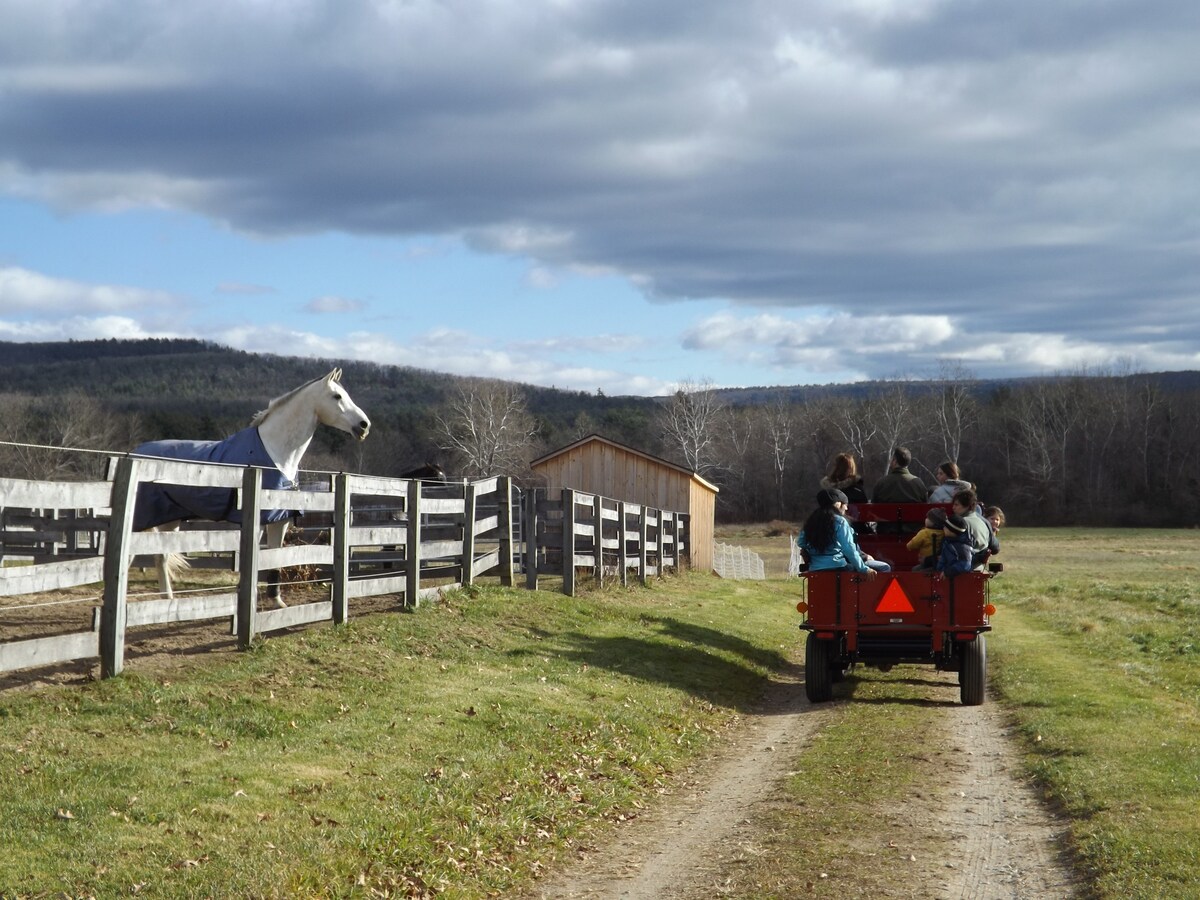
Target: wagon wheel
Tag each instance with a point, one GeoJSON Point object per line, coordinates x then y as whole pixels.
{"type": "Point", "coordinates": [818, 669]}
{"type": "Point", "coordinates": [972, 673]}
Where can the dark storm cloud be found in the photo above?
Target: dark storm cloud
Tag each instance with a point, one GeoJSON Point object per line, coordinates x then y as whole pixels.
{"type": "Point", "coordinates": [1027, 166]}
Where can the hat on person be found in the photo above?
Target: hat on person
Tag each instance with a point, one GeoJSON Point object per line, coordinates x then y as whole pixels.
{"type": "Point", "coordinates": [826, 497]}
{"type": "Point", "coordinates": [957, 524]}
{"type": "Point", "coordinates": [937, 517]}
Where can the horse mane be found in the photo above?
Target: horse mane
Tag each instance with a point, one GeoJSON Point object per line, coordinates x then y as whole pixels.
{"type": "Point", "coordinates": [261, 415]}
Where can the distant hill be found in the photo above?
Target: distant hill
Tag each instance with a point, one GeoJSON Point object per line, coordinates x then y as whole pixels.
{"type": "Point", "coordinates": [1094, 450]}
{"type": "Point", "coordinates": [198, 389]}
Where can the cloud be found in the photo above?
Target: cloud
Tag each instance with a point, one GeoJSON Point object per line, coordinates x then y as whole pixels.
{"type": "Point", "coordinates": [875, 157]}
{"type": "Point", "coordinates": [335, 305]}
{"type": "Point", "coordinates": [78, 328]}
{"type": "Point", "coordinates": [249, 290]}
{"type": "Point", "coordinates": [837, 346]}
{"type": "Point", "coordinates": [23, 292]}
{"type": "Point", "coordinates": [448, 350]}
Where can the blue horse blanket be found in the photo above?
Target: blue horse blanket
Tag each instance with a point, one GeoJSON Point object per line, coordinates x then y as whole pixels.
{"type": "Point", "coordinates": [158, 504]}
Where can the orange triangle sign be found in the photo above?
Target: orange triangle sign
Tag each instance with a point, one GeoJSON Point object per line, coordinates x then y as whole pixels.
{"type": "Point", "coordinates": [894, 600]}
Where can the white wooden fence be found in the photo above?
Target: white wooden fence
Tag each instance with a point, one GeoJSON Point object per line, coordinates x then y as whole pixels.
{"type": "Point", "coordinates": [737, 563]}
{"type": "Point", "coordinates": [609, 537]}
{"type": "Point", "coordinates": [369, 536]}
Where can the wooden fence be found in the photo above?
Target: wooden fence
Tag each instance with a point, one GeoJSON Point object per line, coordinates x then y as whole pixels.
{"type": "Point", "coordinates": [366, 536]}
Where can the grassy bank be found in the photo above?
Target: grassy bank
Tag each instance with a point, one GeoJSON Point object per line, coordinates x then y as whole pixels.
{"type": "Point", "coordinates": [464, 746]}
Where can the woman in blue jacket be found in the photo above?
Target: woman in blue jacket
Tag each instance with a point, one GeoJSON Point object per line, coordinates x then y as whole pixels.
{"type": "Point", "coordinates": [828, 540]}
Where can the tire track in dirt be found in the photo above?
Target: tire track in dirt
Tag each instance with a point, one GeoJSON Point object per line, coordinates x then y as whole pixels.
{"type": "Point", "coordinates": [1007, 838]}
{"type": "Point", "coordinates": [1003, 843]}
{"type": "Point", "coordinates": [673, 847]}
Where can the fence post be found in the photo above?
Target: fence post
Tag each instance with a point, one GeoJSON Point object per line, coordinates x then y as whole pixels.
{"type": "Point", "coordinates": [468, 535]}
{"type": "Point", "coordinates": [116, 569]}
{"type": "Point", "coordinates": [683, 543]}
{"type": "Point", "coordinates": [621, 544]}
{"type": "Point", "coordinates": [598, 537]}
{"type": "Point", "coordinates": [568, 541]}
{"type": "Point", "coordinates": [247, 602]}
{"type": "Point", "coordinates": [504, 493]}
{"type": "Point", "coordinates": [643, 542]}
{"type": "Point", "coordinates": [341, 548]}
{"type": "Point", "coordinates": [412, 555]}
{"type": "Point", "coordinates": [530, 527]}
{"type": "Point", "coordinates": [663, 543]}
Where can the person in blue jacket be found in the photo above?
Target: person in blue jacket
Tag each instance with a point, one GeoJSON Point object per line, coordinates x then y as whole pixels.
{"type": "Point", "coordinates": [957, 554]}
{"type": "Point", "coordinates": [828, 540]}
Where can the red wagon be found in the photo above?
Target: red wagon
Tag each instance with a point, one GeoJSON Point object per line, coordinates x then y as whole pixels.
{"type": "Point", "coordinates": [899, 617]}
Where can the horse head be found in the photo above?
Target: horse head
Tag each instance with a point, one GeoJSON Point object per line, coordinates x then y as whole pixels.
{"type": "Point", "coordinates": [335, 408]}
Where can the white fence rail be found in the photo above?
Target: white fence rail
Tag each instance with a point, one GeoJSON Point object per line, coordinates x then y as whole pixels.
{"type": "Point", "coordinates": [737, 563]}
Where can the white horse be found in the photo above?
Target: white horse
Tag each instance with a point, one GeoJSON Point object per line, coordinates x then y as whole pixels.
{"type": "Point", "coordinates": [276, 441]}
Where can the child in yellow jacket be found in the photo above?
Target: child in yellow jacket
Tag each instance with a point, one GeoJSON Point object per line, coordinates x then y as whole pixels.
{"type": "Point", "coordinates": [928, 541]}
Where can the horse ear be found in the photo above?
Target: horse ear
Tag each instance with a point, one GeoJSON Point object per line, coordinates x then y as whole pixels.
{"type": "Point", "coordinates": [335, 375]}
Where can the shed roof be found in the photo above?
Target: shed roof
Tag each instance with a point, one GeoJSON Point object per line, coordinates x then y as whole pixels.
{"type": "Point", "coordinates": [683, 470]}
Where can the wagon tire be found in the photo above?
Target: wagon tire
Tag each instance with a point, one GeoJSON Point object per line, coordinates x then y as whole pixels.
{"type": "Point", "coordinates": [818, 669]}
{"type": "Point", "coordinates": [972, 673]}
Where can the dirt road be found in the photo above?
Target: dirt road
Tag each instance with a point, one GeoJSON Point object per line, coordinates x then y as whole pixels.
{"type": "Point", "coordinates": [994, 838]}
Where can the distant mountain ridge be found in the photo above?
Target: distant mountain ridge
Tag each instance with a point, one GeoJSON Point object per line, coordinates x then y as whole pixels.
{"type": "Point", "coordinates": [186, 366]}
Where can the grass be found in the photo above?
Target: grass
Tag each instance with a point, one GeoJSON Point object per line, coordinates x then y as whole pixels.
{"type": "Point", "coordinates": [466, 746]}
{"type": "Point", "coordinates": [1100, 657]}
{"type": "Point", "coordinates": [461, 747]}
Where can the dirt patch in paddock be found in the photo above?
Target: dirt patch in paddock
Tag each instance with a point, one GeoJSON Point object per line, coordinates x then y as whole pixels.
{"type": "Point", "coordinates": [151, 648]}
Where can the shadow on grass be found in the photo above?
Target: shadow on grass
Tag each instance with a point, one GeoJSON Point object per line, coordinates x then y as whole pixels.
{"type": "Point", "coordinates": [688, 658]}
{"type": "Point", "coordinates": [720, 640]}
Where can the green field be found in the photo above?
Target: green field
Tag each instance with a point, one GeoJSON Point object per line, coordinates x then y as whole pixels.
{"type": "Point", "coordinates": [1097, 648]}
{"type": "Point", "coordinates": [466, 746]}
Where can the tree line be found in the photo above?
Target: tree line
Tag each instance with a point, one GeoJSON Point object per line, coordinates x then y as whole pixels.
{"type": "Point", "coordinates": [1090, 447]}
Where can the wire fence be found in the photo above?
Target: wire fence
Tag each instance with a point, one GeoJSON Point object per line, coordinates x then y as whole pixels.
{"type": "Point", "coordinates": [737, 563]}
{"type": "Point", "coordinates": [796, 559]}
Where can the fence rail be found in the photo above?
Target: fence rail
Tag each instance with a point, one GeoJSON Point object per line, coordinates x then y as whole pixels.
{"type": "Point", "coordinates": [365, 536]}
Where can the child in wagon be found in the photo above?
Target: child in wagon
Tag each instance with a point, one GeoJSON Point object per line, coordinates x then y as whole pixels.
{"type": "Point", "coordinates": [956, 555]}
{"type": "Point", "coordinates": [928, 541]}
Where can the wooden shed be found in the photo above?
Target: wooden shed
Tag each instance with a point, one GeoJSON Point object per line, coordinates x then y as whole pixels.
{"type": "Point", "coordinates": [596, 465]}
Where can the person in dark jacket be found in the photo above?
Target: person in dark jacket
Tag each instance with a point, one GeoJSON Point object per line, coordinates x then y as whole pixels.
{"type": "Point", "coordinates": [956, 555]}
{"type": "Point", "coordinates": [843, 476]}
{"type": "Point", "coordinates": [900, 485]}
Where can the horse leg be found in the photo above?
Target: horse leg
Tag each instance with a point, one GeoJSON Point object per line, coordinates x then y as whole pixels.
{"type": "Point", "coordinates": [275, 533]}
{"type": "Point", "coordinates": [168, 564]}
{"type": "Point", "coordinates": [164, 577]}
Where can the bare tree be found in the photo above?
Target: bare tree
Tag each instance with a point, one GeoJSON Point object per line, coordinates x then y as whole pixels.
{"type": "Point", "coordinates": [689, 424]}
{"type": "Point", "coordinates": [67, 437]}
{"type": "Point", "coordinates": [1043, 419]}
{"type": "Point", "coordinates": [891, 409]}
{"type": "Point", "coordinates": [780, 427]}
{"type": "Point", "coordinates": [955, 410]}
{"type": "Point", "coordinates": [737, 451]}
{"type": "Point", "coordinates": [488, 428]}
{"type": "Point", "coordinates": [857, 426]}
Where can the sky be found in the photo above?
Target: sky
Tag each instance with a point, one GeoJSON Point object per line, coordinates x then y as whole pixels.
{"type": "Point", "coordinates": [611, 195]}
